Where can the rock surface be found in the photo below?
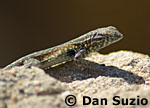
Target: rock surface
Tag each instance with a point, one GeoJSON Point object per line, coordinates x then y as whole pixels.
{"type": "Point", "coordinates": [123, 73]}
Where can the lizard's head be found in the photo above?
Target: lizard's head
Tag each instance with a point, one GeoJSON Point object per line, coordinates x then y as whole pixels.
{"type": "Point", "coordinates": [94, 41]}
{"type": "Point", "coordinates": [103, 37]}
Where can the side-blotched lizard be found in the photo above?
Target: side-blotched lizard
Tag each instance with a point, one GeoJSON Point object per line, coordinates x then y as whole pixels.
{"type": "Point", "coordinates": [72, 50]}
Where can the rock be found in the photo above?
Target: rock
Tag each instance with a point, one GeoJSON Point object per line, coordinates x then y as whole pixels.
{"type": "Point", "coordinates": [27, 88]}
{"type": "Point", "coordinates": [124, 74]}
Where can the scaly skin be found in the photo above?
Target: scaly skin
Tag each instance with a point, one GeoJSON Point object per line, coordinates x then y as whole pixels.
{"type": "Point", "coordinates": [77, 48]}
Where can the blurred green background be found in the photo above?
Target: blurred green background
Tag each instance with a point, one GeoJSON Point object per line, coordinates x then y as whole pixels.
{"type": "Point", "coordinates": [31, 25]}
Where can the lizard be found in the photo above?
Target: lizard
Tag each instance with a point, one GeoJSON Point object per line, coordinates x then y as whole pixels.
{"type": "Point", "coordinates": [75, 49]}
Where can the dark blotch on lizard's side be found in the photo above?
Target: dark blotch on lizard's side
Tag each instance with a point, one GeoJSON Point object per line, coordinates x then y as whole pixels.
{"type": "Point", "coordinates": [70, 52]}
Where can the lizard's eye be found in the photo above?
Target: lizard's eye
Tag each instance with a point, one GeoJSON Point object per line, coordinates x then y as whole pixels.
{"type": "Point", "coordinates": [70, 52]}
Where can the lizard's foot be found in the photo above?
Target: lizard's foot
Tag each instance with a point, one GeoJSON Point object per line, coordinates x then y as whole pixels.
{"type": "Point", "coordinates": [31, 62]}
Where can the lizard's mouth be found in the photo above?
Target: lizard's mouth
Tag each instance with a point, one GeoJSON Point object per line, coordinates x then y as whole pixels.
{"type": "Point", "coordinates": [116, 37]}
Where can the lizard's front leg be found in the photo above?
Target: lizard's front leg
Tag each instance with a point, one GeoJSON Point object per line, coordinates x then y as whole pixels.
{"type": "Point", "coordinates": [81, 54]}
